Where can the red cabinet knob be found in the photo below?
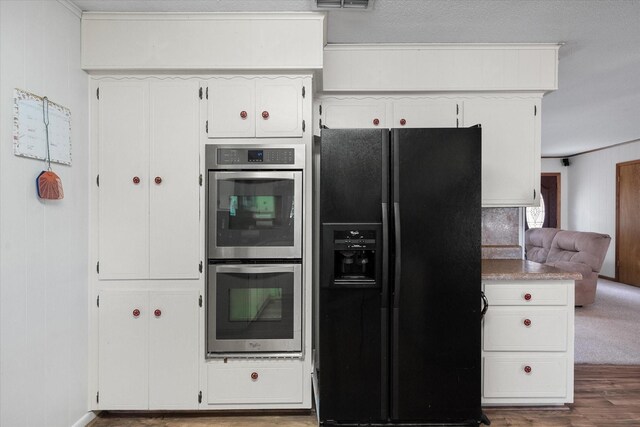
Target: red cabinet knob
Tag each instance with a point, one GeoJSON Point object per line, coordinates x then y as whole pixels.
{"type": "Point", "coordinates": [136, 312]}
{"type": "Point", "coordinates": [527, 297]}
{"type": "Point", "coordinates": [376, 122]}
{"type": "Point", "coordinates": [243, 114]}
{"type": "Point", "coordinates": [527, 369]}
{"type": "Point", "coordinates": [136, 180]}
{"type": "Point", "coordinates": [157, 312]}
{"type": "Point", "coordinates": [158, 180]}
{"type": "Point", "coordinates": [403, 122]}
{"type": "Point", "coordinates": [254, 376]}
{"type": "Point", "coordinates": [265, 115]}
{"type": "Point", "coordinates": [527, 322]}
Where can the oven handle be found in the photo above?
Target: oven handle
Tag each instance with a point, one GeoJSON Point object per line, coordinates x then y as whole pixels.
{"type": "Point", "coordinates": [255, 269]}
{"type": "Point", "coordinates": [256, 175]}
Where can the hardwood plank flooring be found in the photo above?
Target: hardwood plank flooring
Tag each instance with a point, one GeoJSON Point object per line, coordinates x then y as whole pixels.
{"type": "Point", "coordinates": [605, 395]}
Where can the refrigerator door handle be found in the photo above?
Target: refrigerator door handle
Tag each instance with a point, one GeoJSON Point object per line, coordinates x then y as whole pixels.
{"type": "Point", "coordinates": [385, 255]}
{"type": "Point", "coordinates": [485, 305]}
{"type": "Point", "coordinates": [398, 257]}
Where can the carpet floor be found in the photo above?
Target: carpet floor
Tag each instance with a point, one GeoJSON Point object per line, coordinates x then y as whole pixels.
{"type": "Point", "coordinates": [608, 331]}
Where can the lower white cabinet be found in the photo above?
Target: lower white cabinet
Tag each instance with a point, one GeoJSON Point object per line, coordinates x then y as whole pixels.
{"type": "Point", "coordinates": [252, 383]}
{"type": "Point", "coordinates": [148, 349]}
{"type": "Point", "coordinates": [527, 343]}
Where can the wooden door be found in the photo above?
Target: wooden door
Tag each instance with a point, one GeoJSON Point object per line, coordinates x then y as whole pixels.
{"type": "Point", "coordinates": [174, 239]}
{"type": "Point", "coordinates": [425, 113]}
{"type": "Point", "coordinates": [123, 145]}
{"type": "Point", "coordinates": [278, 107]}
{"type": "Point", "coordinates": [354, 114]}
{"type": "Point", "coordinates": [628, 223]}
{"type": "Point", "coordinates": [510, 149]}
{"type": "Point", "coordinates": [123, 350]}
{"type": "Point", "coordinates": [173, 349]}
{"type": "Point", "coordinates": [550, 191]}
{"type": "Point", "coordinates": [231, 108]}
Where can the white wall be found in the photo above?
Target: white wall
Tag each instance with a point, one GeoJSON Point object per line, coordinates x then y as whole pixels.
{"type": "Point", "coordinates": [592, 199]}
{"type": "Point", "coordinates": [44, 244]}
{"type": "Point", "coordinates": [555, 166]}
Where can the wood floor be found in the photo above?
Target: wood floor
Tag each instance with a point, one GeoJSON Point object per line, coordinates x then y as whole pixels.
{"type": "Point", "coordinates": [605, 395]}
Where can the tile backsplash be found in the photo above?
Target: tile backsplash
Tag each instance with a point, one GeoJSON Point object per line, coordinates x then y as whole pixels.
{"type": "Point", "coordinates": [500, 233]}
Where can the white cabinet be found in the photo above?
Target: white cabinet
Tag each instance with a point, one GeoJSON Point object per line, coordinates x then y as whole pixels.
{"type": "Point", "coordinates": [254, 382]}
{"type": "Point", "coordinates": [368, 112]}
{"type": "Point", "coordinates": [426, 113]}
{"type": "Point", "coordinates": [243, 107]}
{"type": "Point", "coordinates": [148, 349]}
{"type": "Point", "coordinates": [148, 179]}
{"type": "Point", "coordinates": [358, 114]}
{"type": "Point", "coordinates": [527, 343]}
{"type": "Point", "coordinates": [510, 149]}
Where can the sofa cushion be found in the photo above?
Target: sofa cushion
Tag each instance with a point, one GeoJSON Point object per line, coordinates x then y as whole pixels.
{"type": "Point", "coordinates": [537, 243]}
{"type": "Point", "coordinates": [579, 247]}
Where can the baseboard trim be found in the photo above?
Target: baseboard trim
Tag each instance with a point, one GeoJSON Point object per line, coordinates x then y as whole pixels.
{"type": "Point", "coordinates": [85, 419]}
{"type": "Point", "coordinates": [613, 279]}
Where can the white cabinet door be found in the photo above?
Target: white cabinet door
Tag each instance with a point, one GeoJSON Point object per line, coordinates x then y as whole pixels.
{"type": "Point", "coordinates": [231, 108]}
{"type": "Point", "coordinates": [349, 114]}
{"type": "Point", "coordinates": [278, 107]}
{"type": "Point", "coordinates": [173, 350]}
{"type": "Point", "coordinates": [425, 113]}
{"type": "Point", "coordinates": [510, 149]}
{"type": "Point", "coordinates": [173, 180]}
{"type": "Point", "coordinates": [123, 372]}
{"type": "Point", "coordinates": [123, 145]}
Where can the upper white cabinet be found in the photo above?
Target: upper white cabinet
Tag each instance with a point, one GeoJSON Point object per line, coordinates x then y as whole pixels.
{"type": "Point", "coordinates": [510, 149]}
{"type": "Point", "coordinates": [426, 113]}
{"type": "Point", "coordinates": [148, 179]}
{"type": "Point", "coordinates": [338, 113]}
{"type": "Point", "coordinates": [244, 107]}
{"type": "Point", "coordinates": [354, 113]}
{"type": "Point", "coordinates": [202, 41]}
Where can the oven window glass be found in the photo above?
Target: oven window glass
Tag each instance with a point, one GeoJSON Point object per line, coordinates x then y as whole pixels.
{"type": "Point", "coordinates": [255, 212]}
{"type": "Point", "coordinates": [254, 306]}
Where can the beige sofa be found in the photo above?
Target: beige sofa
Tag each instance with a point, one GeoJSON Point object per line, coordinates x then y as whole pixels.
{"type": "Point", "coordinates": [574, 251]}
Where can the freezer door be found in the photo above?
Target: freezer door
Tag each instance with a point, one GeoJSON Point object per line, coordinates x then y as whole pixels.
{"type": "Point", "coordinates": [436, 295]}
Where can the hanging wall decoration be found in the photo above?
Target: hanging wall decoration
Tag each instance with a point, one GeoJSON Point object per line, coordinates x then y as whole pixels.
{"type": "Point", "coordinates": [48, 183]}
{"type": "Point", "coordinates": [29, 133]}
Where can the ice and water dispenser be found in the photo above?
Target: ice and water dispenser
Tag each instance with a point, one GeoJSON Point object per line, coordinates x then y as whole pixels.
{"type": "Point", "coordinates": [352, 253]}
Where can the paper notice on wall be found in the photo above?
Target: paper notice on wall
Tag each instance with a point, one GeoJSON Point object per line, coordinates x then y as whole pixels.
{"type": "Point", "coordinates": [29, 131]}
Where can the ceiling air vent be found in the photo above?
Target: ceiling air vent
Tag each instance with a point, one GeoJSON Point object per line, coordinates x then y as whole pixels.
{"type": "Point", "coordinates": [344, 4]}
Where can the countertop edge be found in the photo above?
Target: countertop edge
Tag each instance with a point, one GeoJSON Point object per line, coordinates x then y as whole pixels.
{"type": "Point", "coordinates": [518, 269]}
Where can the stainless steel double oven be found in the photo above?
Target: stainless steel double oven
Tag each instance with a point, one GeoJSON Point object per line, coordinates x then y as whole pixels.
{"type": "Point", "coordinates": [254, 248]}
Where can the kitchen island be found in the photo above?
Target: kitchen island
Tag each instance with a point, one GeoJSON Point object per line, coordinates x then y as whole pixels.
{"type": "Point", "coordinates": [527, 333]}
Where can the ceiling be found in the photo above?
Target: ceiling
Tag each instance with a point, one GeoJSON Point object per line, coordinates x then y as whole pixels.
{"type": "Point", "coordinates": [598, 100]}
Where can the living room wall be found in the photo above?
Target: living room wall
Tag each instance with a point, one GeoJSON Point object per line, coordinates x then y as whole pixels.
{"type": "Point", "coordinates": [592, 195]}
{"type": "Point", "coordinates": [44, 244]}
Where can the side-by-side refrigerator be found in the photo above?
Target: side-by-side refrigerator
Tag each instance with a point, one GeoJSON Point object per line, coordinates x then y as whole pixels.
{"type": "Point", "coordinates": [399, 306]}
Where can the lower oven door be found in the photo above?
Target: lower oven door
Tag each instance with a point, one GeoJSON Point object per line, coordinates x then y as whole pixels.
{"type": "Point", "coordinates": [254, 308]}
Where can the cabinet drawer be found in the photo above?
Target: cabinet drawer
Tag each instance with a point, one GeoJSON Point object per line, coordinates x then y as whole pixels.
{"type": "Point", "coordinates": [240, 383]}
{"type": "Point", "coordinates": [506, 376]}
{"type": "Point", "coordinates": [523, 293]}
{"type": "Point", "coordinates": [525, 329]}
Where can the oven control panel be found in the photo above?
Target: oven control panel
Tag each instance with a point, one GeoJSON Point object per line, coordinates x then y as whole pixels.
{"type": "Point", "coordinates": [247, 156]}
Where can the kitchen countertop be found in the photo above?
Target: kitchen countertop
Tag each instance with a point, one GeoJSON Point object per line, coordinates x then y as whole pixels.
{"type": "Point", "coordinates": [518, 269]}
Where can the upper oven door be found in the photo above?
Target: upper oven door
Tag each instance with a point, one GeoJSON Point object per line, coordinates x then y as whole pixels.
{"type": "Point", "coordinates": [254, 215]}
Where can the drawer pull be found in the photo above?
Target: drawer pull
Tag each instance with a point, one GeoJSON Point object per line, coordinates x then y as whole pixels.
{"type": "Point", "coordinates": [527, 297]}
{"type": "Point", "coordinates": [254, 376]}
{"type": "Point", "coordinates": [136, 312]}
{"type": "Point", "coordinates": [403, 122]}
{"type": "Point", "coordinates": [136, 180]}
{"type": "Point", "coordinates": [376, 122]}
{"type": "Point", "coordinates": [157, 312]}
{"type": "Point", "coordinates": [527, 322]}
{"type": "Point", "coordinates": [527, 369]}
{"type": "Point", "coordinates": [243, 114]}
{"type": "Point", "coordinates": [265, 115]}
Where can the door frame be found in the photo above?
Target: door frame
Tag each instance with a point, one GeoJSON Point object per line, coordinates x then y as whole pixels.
{"type": "Point", "coordinates": [618, 166]}
{"type": "Point", "coordinates": [558, 176]}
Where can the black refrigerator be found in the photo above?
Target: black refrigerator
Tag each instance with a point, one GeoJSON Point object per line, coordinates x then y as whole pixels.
{"type": "Point", "coordinates": [399, 306]}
